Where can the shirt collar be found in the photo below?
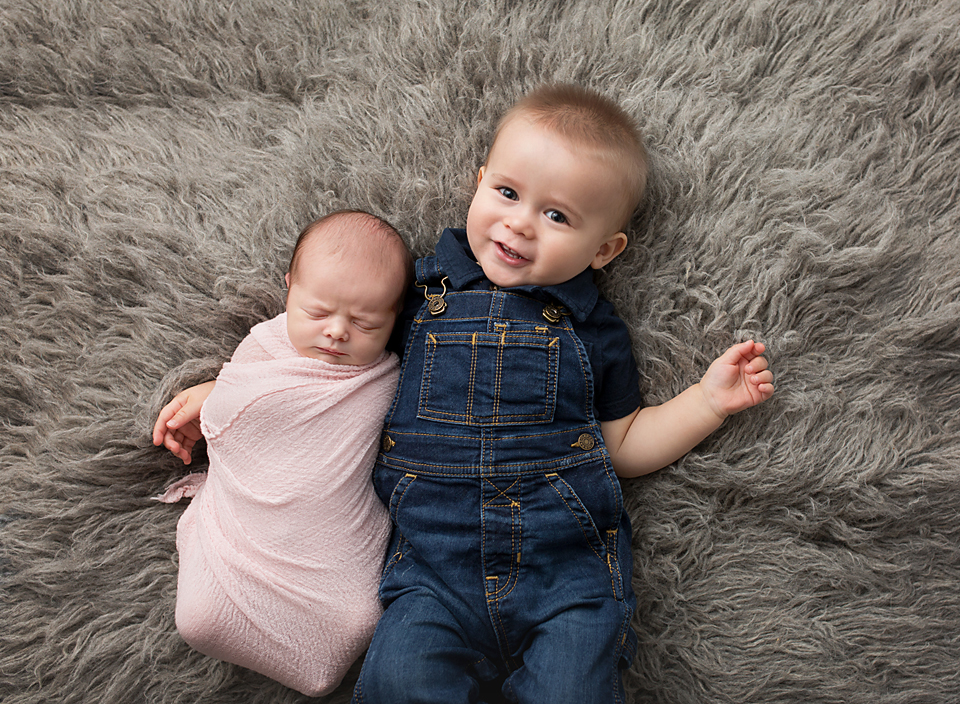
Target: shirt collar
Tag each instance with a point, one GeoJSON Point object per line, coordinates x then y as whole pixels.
{"type": "Point", "coordinates": [579, 295]}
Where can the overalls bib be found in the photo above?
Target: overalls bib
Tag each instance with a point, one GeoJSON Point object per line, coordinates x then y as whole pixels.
{"type": "Point", "coordinates": [506, 508]}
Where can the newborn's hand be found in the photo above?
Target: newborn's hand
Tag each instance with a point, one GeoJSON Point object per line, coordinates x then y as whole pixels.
{"type": "Point", "coordinates": [178, 425]}
{"type": "Point", "coordinates": [737, 379]}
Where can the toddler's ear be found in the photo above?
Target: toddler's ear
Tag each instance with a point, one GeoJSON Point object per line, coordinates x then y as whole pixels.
{"type": "Point", "coordinates": [287, 279]}
{"type": "Point", "coordinates": [609, 250]}
{"type": "Point", "coordinates": [480, 175]}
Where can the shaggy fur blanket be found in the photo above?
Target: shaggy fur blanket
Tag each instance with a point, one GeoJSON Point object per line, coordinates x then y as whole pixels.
{"type": "Point", "coordinates": [158, 157]}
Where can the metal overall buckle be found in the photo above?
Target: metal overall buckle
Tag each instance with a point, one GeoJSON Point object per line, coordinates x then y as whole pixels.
{"type": "Point", "coordinates": [435, 303]}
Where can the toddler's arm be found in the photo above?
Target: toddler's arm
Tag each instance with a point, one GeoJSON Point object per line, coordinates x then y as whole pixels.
{"type": "Point", "coordinates": [178, 425]}
{"type": "Point", "coordinates": [653, 437]}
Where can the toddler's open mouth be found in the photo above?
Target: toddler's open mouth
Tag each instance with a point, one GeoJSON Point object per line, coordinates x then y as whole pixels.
{"type": "Point", "coordinates": [511, 253]}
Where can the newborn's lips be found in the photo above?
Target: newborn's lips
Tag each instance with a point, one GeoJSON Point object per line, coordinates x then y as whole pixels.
{"type": "Point", "coordinates": [334, 353]}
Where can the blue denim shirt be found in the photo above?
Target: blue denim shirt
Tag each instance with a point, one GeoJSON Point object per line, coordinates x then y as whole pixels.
{"type": "Point", "coordinates": [605, 336]}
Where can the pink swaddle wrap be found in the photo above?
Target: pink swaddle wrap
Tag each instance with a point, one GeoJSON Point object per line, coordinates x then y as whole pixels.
{"type": "Point", "coordinates": [282, 547]}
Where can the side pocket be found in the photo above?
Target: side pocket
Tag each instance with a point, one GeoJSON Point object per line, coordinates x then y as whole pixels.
{"type": "Point", "coordinates": [628, 652]}
{"type": "Point", "coordinates": [580, 513]}
{"type": "Point", "coordinates": [613, 562]}
{"type": "Point", "coordinates": [398, 543]}
{"type": "Point", "coordinates": [397, 496]}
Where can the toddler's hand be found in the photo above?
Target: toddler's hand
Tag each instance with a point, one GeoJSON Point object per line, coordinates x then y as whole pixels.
{"type": "Point", "coordinates": [737, 379]}
{"type": "Point", "coordinates": [178, 425]}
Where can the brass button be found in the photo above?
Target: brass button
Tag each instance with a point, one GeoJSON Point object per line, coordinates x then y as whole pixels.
{"type": "Point", "coordinates": [388, 443]}
{"type": "Point", "coordinates": [552, 313]}
{"type": "Point", "coordinates": [585, 442]}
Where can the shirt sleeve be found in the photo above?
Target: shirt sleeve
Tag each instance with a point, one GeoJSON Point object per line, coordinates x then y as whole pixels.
{"type": "Point", "coordinates": [616, 379]}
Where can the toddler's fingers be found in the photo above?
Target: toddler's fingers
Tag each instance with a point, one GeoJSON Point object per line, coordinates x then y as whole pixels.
{"type": "Point", "coordinates": [765, 377]}
{"type": "Point", "coordinates": [751, 350]}
{"type": "Point", "coordinates": [738, 352]}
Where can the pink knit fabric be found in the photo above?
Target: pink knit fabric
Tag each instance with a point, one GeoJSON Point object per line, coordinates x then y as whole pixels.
{"type": "Point", "coordinates": [282, 546]}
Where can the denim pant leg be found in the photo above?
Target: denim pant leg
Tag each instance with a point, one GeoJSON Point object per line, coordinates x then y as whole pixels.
{"type": "Point", "coordinates": [573, 659]}
{"type": "Point", "coordinates": [420, 654]}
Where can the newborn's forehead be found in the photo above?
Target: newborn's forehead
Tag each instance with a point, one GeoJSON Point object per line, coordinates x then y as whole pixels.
{"type": "Point", "coordinates": [352, 282]}
{"type": "Point", "coordinates": [347, 256]}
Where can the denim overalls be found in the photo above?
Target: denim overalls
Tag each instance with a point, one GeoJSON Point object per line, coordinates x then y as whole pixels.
{"type": "Point", "coordinates": [511, 551]}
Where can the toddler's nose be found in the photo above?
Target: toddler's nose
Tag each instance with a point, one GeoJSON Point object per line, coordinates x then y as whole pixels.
{"type": "Point", "coordinates": [518, 222]}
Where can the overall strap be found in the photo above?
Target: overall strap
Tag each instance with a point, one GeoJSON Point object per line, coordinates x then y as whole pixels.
{"type": "Point", "coordinates": [428, 271]}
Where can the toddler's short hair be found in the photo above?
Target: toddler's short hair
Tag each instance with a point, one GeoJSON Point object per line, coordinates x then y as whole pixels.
{"type": "Point", "coordinates": [363, 233]}
{"type": "Point", "coordinates": [588, 118]}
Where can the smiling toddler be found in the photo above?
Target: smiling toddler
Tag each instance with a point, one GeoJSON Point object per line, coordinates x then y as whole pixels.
{"type": "Point", "coordinates": [518, 407]}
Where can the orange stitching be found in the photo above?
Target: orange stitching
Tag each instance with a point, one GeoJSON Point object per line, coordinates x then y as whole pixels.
{"type": "Point", "coordinates": [521, 468]}
{"type": "Point", "coordinates": [502, 493]}
{"type": "Point", "coordinates": [575, 517]}
{"type": "Point", "coordinates": [571, 431]}
{"type": "Point", "coordinates": [473, 376]}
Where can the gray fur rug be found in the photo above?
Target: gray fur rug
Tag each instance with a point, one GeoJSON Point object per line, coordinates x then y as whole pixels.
{"type": "Point", "coordinates": [158, 157]}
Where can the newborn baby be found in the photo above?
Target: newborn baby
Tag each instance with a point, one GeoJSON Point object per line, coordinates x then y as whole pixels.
{"type": "Point", "coordinates": [282, 546]}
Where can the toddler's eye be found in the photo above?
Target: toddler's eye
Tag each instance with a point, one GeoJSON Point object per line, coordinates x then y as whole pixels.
{"type": "Point", "coordinates": [508, 193]}
{"type": "Point", "coordinates": [557, 216]}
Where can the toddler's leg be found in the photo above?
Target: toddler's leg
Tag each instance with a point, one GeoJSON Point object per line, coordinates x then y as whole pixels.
{"type": "Point", "coordinates": [420, 654]}
{"type": "Point", "coordinates": [577, 657]}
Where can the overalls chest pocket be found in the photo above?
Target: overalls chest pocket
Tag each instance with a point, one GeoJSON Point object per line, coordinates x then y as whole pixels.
{"type": "Point", "coordinates": [489, 379]}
